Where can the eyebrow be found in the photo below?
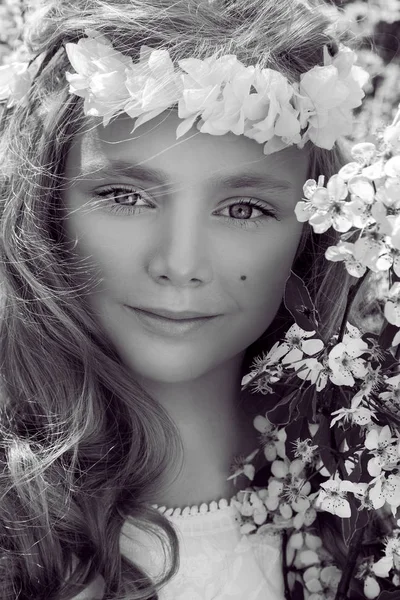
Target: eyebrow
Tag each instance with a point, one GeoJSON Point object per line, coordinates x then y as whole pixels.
{"type": "Point", "coordinates": [248, 179]}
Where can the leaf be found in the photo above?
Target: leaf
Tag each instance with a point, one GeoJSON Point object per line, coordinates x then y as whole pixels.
{"type": "Point", "coordinates": [389, 361]}
{"type": "Point", "coordinates": [387, 334]}
{"type": "Point", "coordinates": [363, 518]}
{"type": "Point", "coordinates": [365, 477]}
{"type": "Point", "coordinates": [368, 336]}
{"type": "Point", "coordinates": [305, 407]}
{"type": "Point", "coordinates": [298, 302]}
{"type": "Point", "coordinates": [354, 436]}
{"type": "Point", "coordinates": [323, 440]}
{"type": "Point", "coordinates": [340, 436]}
{"type": "Point", "coordinates": [348, 524]}
{"type": "Point", "coordinates": [280, 414]}
{"type": "Point", "coordinates": [358, 520]}
{"type": "Point", "coordinates": [355, 475]}
{"type": "Point", "coordinates": [330, 400]}
{"type": "Point", "coordinates": [261, 477]}
{"type": "Point", "coordinates": [395, 595]}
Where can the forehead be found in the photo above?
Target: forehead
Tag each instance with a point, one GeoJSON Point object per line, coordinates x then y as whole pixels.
{"type": "Point", "coordinates": [191, 159]}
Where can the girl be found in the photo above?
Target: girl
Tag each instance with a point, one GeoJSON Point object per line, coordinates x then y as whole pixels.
{"type": "Point", "coordinates": [141, 275]}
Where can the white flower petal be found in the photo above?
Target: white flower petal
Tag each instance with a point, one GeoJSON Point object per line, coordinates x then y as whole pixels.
{"type": "Point", "coordinates": [279, 469]}
{"type": "Point", "coordinates": [392, 312]}
{"type": "Point", "coordinates": [376, 496]}
{"type": "Point", "coordinates": [261, 424]}
{"type": "Point", "coordinates": [362, 187]}
{"type": "Point", "coordinates": [359, 368]}
{"type": "Point", "coordinates": [292, 356]}
{"type": "Point", "coordinates": [383, 566]}
{"type": "Point", "coordinates": [391, 490]}
{"type": "Point", "coordinates": [337, 187]}
{"type": "Point", "coordinates": [296, 540]}
{"type": "Point", "coordinates": [374, 468]}
{"type": "Point", "coordinates": [350, 170]}
{"type": "Point", "coordinates": [308, 557]}
{"type": "Point", "coordinates": [312, 346]}
{"type": "Point", "coordinates": [392, 167]}
{"type": "Point", "coordinates": [342, 508]}
{"type": "Point", "coordinates": [371, 587]}
{"type": "Point", "coordinates": [309, 188]}
{"type": "Point", "coordinates": [249, 471]}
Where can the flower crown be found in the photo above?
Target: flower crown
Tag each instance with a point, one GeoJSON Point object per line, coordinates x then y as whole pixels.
{"type": "Point", "coordinates": [259, 103]}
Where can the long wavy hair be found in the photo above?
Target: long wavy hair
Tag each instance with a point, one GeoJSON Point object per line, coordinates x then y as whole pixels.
{"type": "Point", "coordinates": [82, 444]}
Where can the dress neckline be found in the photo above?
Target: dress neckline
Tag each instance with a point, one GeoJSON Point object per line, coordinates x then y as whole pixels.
{"type": "Point", "coordinates": [191, 511]}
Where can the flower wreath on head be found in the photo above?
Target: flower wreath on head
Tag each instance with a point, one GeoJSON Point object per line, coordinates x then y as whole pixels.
{"type": "Point", "coordinates": [227, 96]}
{"type": "Point", "coordinates": [332, 439]}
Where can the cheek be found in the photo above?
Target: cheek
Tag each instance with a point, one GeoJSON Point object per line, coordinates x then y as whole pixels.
{"type": "Point", "coordinates": [263, 257]}
{"type": "Point", "coordinates": [107, 255]}
{"type": "Point", "coordinates": [265, 261]}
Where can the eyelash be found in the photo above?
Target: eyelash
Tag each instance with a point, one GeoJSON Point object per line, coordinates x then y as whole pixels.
{"type": "Point", "coordinates": [242, 222]}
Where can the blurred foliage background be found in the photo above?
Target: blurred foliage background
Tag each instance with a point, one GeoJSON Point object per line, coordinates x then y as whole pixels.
{"type": "Point", "coordinates": [374, 26]}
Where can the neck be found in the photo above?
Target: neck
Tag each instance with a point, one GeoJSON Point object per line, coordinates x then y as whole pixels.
{"type": "Point", "coordinates": [214, 427]}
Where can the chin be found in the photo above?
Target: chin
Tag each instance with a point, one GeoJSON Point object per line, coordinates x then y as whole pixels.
{"type": "Point", "coordinates": [167, 372]}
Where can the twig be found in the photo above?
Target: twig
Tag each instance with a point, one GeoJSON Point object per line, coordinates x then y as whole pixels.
{"type": "Point", "coordinates": [354, 550]}
{"type": "Point", "coordinates": [350, 298]}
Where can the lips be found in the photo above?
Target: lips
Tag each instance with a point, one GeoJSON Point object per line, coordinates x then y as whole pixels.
{"type": "Point", "coordinates": [170, 318]}
{"type": "Point", "coordinates": [178, 328]}
{"type": "Point", "coordinates": [174, 315]}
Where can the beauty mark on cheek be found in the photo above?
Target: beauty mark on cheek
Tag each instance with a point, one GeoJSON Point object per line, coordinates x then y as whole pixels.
{"type": "Point", "coordinates": [243, 277]}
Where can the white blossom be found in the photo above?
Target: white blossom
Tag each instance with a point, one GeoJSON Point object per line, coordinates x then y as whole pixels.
{"type": "Point", "coordinates": [332, 498]}
{"type": "Point", "coordinates": [373, 251]}
{"type": "Point", "coordinates": [356, 413]}
{"type": "Point", "coordinates": [243, 465]}
{"type": "Point", "coordinates": [385, 489]}
{"type": "Point", "coordinates": [322, 582]}
{"type": "Point", "coordinates": [345, 363]}
{"type": "Point", "coordinates": [305, 450]}
{"type": "Point", "coordinates": [345, 251]}
{"type": "Point", "coordinates": [382, 445]}
{"type": "Point", "coordinates": [288, 490]}
{"type": "Point", "coordinates": [272, 438]}
{"type": "Point", "coordinates": [330, 208]}
{"type": "Point", "coordinates": [296, 344]}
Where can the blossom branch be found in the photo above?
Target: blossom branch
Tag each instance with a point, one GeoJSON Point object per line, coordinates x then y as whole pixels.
{"type": "Point", "coordinates": [363, 461]}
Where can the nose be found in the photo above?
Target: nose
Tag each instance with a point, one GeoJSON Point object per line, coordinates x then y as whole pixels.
{"type": "Point", "coordinates": [181, 250]}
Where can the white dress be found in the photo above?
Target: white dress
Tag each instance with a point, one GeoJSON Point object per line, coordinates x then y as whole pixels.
{"type": "Point", "coordinates": [217, 562]}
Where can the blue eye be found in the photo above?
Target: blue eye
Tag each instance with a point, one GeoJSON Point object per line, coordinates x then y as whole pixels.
{"type": "Point", "coordinates": [133, 208]}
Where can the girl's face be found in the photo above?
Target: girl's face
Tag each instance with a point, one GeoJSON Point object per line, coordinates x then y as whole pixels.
{"type": "Point", "coordinates": [205, 223]}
